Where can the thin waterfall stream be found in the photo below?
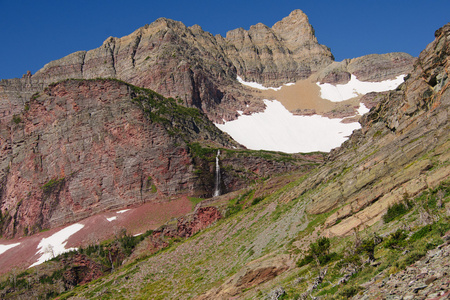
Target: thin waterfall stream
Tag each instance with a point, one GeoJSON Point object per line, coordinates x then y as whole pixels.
{"type": "Point", "coordinates": [217, 182]}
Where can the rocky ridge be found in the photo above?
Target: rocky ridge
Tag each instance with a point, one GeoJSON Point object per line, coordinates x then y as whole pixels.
{"type": "Point", "coordinates": [373, 67]}
{"type": "Point", "coordinates": [201, 69]}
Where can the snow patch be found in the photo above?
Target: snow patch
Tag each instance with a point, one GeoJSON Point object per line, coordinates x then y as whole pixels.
{"type": "Point", "coordinates": [111, 219]}
{"type": "Point", "coordinates": [55, 244]}
{"type": "Point", "coordinates": [354, 88]}
{"type": "Point", "coordinates": [277, 129]}
{"type": "Point", "coordinates": [122, 211]}
{"type": "Point", "coordinates": [260, 86]}
{"type": "Point", "coordinates": [362, 109]}
{"type": "Point", "coordinates": [4, 248]}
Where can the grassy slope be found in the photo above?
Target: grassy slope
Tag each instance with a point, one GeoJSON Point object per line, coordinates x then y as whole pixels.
{"type": "Point", "coordinates": [276, 231]}
{"type": "Point", "coordinates": [270, 229]}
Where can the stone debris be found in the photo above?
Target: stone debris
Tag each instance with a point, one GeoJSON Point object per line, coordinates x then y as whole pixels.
{"type": "Point", "coordinates": [276, 293]}
{"type": "Point", "coordinates": [428, 278]}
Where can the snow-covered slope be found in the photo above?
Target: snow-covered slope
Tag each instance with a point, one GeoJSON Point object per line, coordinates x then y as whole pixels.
{"type": "Point", "coordinates": [4, 248]}
{"type": "Point", "coordinates": [277, 129]}
{"type": "Point", "coordinates": [354, 88]}
{"type": "Point", "coordinates": [56, 244]}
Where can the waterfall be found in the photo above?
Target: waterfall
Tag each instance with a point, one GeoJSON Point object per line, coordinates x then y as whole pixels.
{"type": "Point", "coordinates": [217, 183]}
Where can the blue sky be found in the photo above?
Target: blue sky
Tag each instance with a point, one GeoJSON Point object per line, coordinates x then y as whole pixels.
{"type": "Point", "coordinates": [36, 32]}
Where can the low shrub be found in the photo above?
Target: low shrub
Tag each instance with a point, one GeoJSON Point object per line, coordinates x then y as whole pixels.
{"type": "Point", "coordinates": [396, 210]}
{"type": "Point", "coordinates": [396, 240]}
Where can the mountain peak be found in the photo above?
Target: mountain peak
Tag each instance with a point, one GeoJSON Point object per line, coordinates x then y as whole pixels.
{"type": "Point", "coordinates": [295, 28]}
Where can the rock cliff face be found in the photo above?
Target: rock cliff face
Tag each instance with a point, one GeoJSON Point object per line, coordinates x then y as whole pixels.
{"type": "Point", "coordinates": [401, 150]}
{"type": "Point", "coordinates": [82, 147]}
{"type": "Point", "coordinates": [287, 52]}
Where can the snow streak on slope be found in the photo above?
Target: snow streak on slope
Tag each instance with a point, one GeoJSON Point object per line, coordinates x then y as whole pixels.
{"type": "Point", "coordinates": [260, 86]}
{"type": "Point", "coordinates": [354, 88]}
{"type": "Point", "coordinates": [277, 129]}
{"type": "Point", "coordinates": [55, 245]}
{"type": "Point", "coordinates": [4, 248]}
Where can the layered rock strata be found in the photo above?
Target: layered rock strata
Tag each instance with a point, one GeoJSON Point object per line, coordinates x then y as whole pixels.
{"type": "Point", "coordinates": [401, 150]}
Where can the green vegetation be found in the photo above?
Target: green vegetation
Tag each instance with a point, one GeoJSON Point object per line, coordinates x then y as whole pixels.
{"type": "Point", "coordinates": [16, 119]}
{"type": "Point", "coordinates": [53, 185]}
{"type": "Point", "coordinates": [195, 201]}
{"type": "Point", "coordinates": [257, 200]}
{"type": "Point", "coordinates": [390, 254]}
{"type": "Point", "coordinates": [34, 96]}
{"type": "Point", "coordinates": [57, 273]}
{"type": "Point", "coordinates": [396, 240]}
{"type": "Point", "coordinates": [237, 204]}
{"type": "Point", "coordinates": [202, 152]}
{"type": "Point", "coordinates": [396, 210]}
{"type": "Point", "coordinates": [319, 252]}
{"type": "Point", "coordinates": [184, 122]}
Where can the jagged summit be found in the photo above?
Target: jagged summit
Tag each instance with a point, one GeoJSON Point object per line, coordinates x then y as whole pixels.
{"type": "Point", "coordinates": [191, 64]}
{"type": "Point", "coordinates": [295, 28]}
{"type": "Point", "coordinates": [290, 45]}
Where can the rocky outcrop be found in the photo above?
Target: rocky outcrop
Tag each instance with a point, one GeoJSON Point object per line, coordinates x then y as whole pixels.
{"type": "Point", "coordinates": [425, 279]}
{"type": "Point", "coordinates": [165, 56]}
{"type": "Point", "coordinates": [253, 274]}
{"type": "Point", "coordinates": [200, 69]}
{"type": "Point", "coordinates": [251, 165]}
{"type": "Point", "coordinates": [201, 219]}
{"type": "Point", "coordinates": [75, 148]}
{"type": "Point", "coordinates": [287, 52]}
{"type": "Point", "coordinates": [185, 227]}
{"type": "Point", "coordinates": [80, 269]}
{"type": "Point", "coordinates": [373, 67]}
{"type": "Point", "coordinates": [401, 150]}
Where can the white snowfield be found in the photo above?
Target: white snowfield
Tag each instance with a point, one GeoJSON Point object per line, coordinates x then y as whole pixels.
{"type": "Point", "coordinates": [260, 86]}
{"type": "Point", "coordinates": [55, 244]}
{"type": "Point", "coordinates": [111, 219]}
{"type": "Point", "coordinates": [354, 88]}
{"type": "Point", "coordinates": [4, 248]}
{"type": "Point", "coordinates": [277, 129]}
